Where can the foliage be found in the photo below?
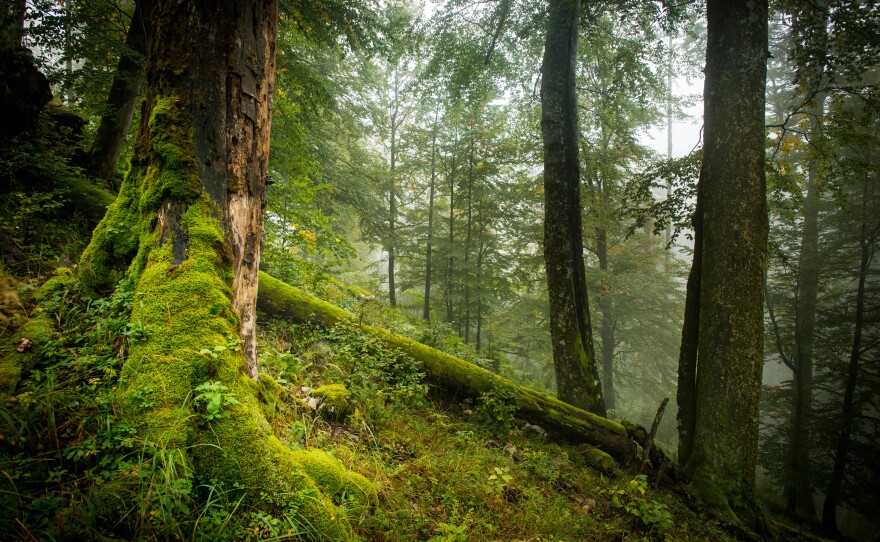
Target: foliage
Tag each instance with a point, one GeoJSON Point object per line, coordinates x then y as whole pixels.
{"type": "Point", "coordinates": [212, 397]}
{"type": "Point", "coordinates": [631, 498]}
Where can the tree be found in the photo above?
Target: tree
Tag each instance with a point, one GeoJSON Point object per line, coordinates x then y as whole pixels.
{"type": "Point", "coordinates": [722, 339]}
{"type": "Point", "coordinates": [577, 376]}
{"type": "Point", "coordinates": [187, 229]}
{"type": "Point", "coordinates": [122, 97]}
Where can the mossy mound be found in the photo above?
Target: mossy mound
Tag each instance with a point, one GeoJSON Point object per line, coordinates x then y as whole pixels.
{"type": "Point", "coordinates": [333, 401]}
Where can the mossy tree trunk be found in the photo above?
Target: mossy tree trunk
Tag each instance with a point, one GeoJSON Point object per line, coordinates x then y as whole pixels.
{"type": "Point", "coordinates": [577, 377]}
{"type": "Point", "coordinates": [460, 379]}
{"type": "Point", "coordinates": [722, 452]}
{"type": "Point", "coordinates": [123, 95]}
{"type": "Point", "coordinates": [187, 228]}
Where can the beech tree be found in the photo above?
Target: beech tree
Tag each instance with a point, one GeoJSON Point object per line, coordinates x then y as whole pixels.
{"type": "Point", "coordinates": [187, 228]}
{"type": "Point", "coordinates": [577, 376]}
{"type": "Point", "coordinates": [722, 340]}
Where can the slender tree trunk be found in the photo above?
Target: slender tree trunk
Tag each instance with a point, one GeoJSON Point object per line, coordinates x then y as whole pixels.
{"type": "Point", "coordinates": [867, 239]}
{"type": "Point", "coordinates": [123, 95]}
{"type": "Point", "coordinates": [607, 329]}
{"type": "Point", "coordinates": [426, 312]}
{"type": "Point", "coordinates": [450, 267]}
{"type": "Point", "coordinates": [467, 245]}
{"type": "Point", "coordinates": [686, 394]}
{"type": "Point", "coordinates": [392, 212]}
{"type": "Point", "coordinates": [577, 376]}
{"type": "Point", "coordinates": [798, 490]}
{"type": "Point", "coordinates": [721, 461]}
{"type": "Point", "coordinates": [480, 251]}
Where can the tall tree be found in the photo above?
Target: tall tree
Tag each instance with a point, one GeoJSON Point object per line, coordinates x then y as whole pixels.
{"type": "Point", "coordinates": [187, 227]}
{"type": "Point", "coordinates": [721, 377]}
{"type": "Point", "coordinates": [577, 376]}
{"type": "Point", "coordinates": [123, 95]}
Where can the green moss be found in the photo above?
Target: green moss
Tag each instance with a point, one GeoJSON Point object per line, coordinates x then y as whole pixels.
{"type": "Point", "coordinates": [63, 280]}
{"type": "Point", "coordinates": [13, 364]}
{"type": "Point", "coordinates": [344, 486]}
{"type": "Point", "coordinates": [451, 373]}
{"type": "Point", "coordinates": [599, 460]}
{"type": "Point", "coordinates": [172, 172]}
{"type": "Point", "coordinates": [334, 401]}
{"type": "Point", "coordinates": [272, 395]}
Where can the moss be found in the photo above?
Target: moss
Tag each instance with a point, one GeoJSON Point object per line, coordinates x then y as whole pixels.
{"type": "Point", "coordinates": [172, 172]}
{"type": "Point", "coordinates": [451, 373]}
{"type": "Point", "coordinates": [598, 459]}
{"type": "Point", "coordinates": [13, 364]}
{"type": "Point", "coordinates": [272, 395]}
{"type": "Point", "coordinates": [62, 280]}
{"type": "Point", "coordinates": [344, 486]}
{"type": "Point", "coordinates": [334, 401]}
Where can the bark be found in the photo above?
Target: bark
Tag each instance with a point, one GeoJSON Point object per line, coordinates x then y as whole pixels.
{"type": "Point", "coordinates": [686, 393]}
{"type": "Point", "coordinates": [798, 490]}
{"type": "Point", "coordinates": [24, 90]}
{"type": "Point", "coordinates": [577, 376]}
{"type": "Point", "coordinates": [123, 95]}
{"type": "Point", "coordinates": [607, 329]}
{"type": "Point", "coordinates": [187, 227]}
{"type": "Point", "coordinates": [392, 212]}
{"type": "Point", "coordinates": [12, 20]}
{"type": "Point", "coordinates": [455, 377]}
{"type": "Point", "coordinates": [867, 239]}
{"type": "Point", "coordinates": [450, 266]}
{"type": "Point", "coordinates": [426, 312]}
{"type": "Point", "coordinates": [467, 245]}
{"type": "Point", "coordinates": [722, 459]}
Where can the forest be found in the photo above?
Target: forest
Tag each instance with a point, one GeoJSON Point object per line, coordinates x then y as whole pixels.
{"type": "Point", "coordinates": [449, 271]}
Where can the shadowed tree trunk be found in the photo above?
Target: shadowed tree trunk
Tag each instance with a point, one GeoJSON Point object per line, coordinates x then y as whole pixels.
{"type": "Point", "coordinates": [868, 235]}
{"type": "Point", "coordinates": [721, 454]}
{"type": "Point", "coordinates": [607, 329]}
{"type": "Point", "coordinates": [577, 376]}
{"type": "Point", "coordinates": [798, 490]}
{"type": "Point", "coordinates": [187, 227]}
{"type": "Point", "coordinates": [123, 95]}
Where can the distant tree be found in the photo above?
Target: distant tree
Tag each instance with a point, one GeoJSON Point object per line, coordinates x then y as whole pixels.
{"type": "Point", "coordinates": [722, 340]}
{"type": "Point", "coordinates": [122, 97]}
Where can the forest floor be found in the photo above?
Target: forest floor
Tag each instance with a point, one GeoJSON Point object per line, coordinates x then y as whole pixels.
{"type": "Point", "coordinates": [445, 470]}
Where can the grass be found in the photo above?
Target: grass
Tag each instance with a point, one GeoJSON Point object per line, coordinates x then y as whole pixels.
{"type": "Point", "coordinates": [445, 471]}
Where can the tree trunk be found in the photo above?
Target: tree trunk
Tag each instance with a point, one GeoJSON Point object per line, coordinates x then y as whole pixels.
{"type": "Point", "coordinates": [187, 227]}
{"type": "Point", "coordinates": [577, 376]}
{"type": "Point", "coordinates": [426, 312]}
{"type": "Point", "coordinates": [12, 20]}
{"type": "Point", "coordinates": [607, 330]}
{"type": "Point", "coordinates": [392, 212]}
{"type": "Point", "coordinates": [123, 95]}
{"type": "Point", "coordinates": [721, 462]}
{"type": "Point", "coordinates": [458, 378]}
{"type": "Point", "coordinates": [798, 490]}
{"type": "Point", "coordinates": [467, 245]}
{"type": "Point", "coordinates": [450, 267]}
{"type": "Point", "coordinates": [867, 238]}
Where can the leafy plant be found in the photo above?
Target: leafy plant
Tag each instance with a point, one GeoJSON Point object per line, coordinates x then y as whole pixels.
{"type": "Point", "coordinates": [632, 498]}
{"type": "Point", "coordinates": [499, 479]}
{"type": "Point", "coordinates": [212, 398]}
{"type": "Point", "coordinates": [496, 408]}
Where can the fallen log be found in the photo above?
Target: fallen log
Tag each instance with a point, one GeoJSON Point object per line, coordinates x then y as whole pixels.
{"type": "Point", "coordinates": [459, 377]}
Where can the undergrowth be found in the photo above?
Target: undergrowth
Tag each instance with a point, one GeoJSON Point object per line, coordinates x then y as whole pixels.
{"type": "Point", "coordinates": [70, 469]}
